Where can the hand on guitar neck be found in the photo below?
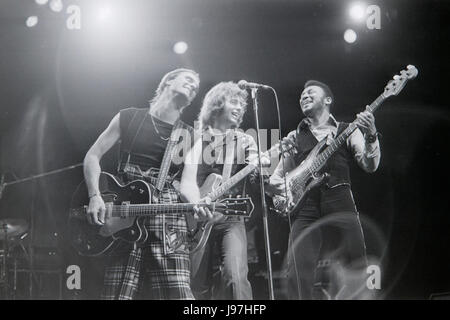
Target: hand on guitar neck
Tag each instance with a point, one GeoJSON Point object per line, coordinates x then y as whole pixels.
{"type": "Point", "coordinates": [204, 213]}
{"type": "Point", "coordinates": [366, 122]}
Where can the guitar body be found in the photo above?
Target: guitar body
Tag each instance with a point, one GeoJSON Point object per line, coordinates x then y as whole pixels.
{"type": "Point", "coordinates": [211, 183]}
{"type": "Point", "coordinates": [300, 181]}
{"type": "Point", "coordinates": [94, 240]}
{"type": "Point", "coordinates": [199, 231]}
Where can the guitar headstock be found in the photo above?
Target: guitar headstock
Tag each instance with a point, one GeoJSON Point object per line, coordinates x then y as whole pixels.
{"type": "Point", "coordinates": [397, 84]}
{"type": "Point", "coordinates": [238, 207]}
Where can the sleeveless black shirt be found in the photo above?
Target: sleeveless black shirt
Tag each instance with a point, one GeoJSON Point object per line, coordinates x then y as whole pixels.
{"type": "Point", "coordinates": [144, 140]}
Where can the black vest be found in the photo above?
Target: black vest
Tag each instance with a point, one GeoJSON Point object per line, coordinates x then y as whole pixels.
{"type": "Point", "coordinates": [141, 144]}
{"type": "Point", "coordinates": [337, 165]}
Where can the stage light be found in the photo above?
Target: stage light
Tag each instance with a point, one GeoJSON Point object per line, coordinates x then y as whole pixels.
{"type": "Point", "coordinates": [350, 36]}
{"type": "Point", "coordinates": [180, 47]}
{"type": "Point", "coordinates": [56, 5]}
{"type": "Point", "coordinates": [31, 21]}
{"type": "Point", "coordinates": [41, 2]}
{"type": "Point", "coordinates": [104, 13]}
{"type": "Point", "coordinates": [357, 11]}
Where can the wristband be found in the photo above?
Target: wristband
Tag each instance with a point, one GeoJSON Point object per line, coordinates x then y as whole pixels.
{"type": "Point", "coordinates": [95, 194]}
{"type": "Point", "coordinates": [371, 138]}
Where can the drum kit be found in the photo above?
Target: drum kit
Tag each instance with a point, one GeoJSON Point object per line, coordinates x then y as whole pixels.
{"type": "Point", "coordinates": [12, 232]}
{"type": "Point", "coordinates": [12, 248]}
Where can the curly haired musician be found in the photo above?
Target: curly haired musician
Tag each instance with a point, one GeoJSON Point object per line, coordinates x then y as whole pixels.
{"type": "Point", "coordinates": [222, 150]}
{"type": "Point", "coordinates": [334, 200]}
{"type": "Point", "coordinates": [160, 268]}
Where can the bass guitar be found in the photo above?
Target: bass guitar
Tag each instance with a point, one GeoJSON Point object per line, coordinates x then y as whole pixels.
{"type": "Point", "coordinates": [307, 175]}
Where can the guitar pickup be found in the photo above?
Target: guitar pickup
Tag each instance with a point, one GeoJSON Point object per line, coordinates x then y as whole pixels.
{"type": "Point", "coordinates": [124, 211]}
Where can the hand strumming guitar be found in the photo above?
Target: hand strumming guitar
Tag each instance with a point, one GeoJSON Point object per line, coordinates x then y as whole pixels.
{"type": "Point", "coordinates": [96, 210]}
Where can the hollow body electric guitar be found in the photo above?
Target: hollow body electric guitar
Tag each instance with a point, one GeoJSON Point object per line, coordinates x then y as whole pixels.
{"type": "Point", "coordinates": [214, 189]}
{"type": "Point", "coordinates": [126, 208]}
{"type": "Point", "coordinates": [308, 175]}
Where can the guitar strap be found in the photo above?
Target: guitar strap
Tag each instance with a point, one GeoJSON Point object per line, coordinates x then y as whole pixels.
{"type": "Point", "coordinates": [229, 157]}
{"type": "Point", "coordinates": [168, 155]}
{"type": "Point", "coordinates": [136, 123]}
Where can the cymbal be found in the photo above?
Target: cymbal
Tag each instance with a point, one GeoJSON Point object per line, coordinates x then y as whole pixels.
{"type": "Point", "coordinates": [12, 228]}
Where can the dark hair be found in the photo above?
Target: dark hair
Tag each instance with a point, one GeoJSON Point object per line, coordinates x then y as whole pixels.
{"type": "Point", "coordinates": [325, 88]}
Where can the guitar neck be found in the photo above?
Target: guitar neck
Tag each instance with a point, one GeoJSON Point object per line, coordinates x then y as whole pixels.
{"type": "Point", "coordinates": [227, 185]}
{"type": "Point", "coordinates": [139, 210]}
{"type": "Point", "coordinates": [323, 157]}
{"type": "Point", "coordinates": [220, 191]}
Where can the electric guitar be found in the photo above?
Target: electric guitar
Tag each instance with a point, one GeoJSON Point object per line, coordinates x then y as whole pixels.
{"type": "Point", "coordinates": [307, 175]}
{"type": "Point", "coordinates": [126, 208]}
{"type": "Point", "coordinates": [214, 189]}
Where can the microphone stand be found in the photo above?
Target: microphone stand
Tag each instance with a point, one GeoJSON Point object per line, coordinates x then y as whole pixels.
{"type": "Point", "coordinates": [41, 175]}
{"type": "Point", "coordinates": [4, 276]}
{"type": "Point", "coordinates": [263, 200]}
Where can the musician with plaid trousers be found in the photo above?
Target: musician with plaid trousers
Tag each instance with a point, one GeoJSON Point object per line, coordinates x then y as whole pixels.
{"type": "Point", "coordinates": [159, 268]}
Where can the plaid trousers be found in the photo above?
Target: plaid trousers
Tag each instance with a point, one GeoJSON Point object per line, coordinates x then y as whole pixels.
{"type": "Point", "coordinates": [159, 269]}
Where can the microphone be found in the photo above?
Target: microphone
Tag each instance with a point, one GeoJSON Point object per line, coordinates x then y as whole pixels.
{"type": "Point", "coordinates": [251, 85]}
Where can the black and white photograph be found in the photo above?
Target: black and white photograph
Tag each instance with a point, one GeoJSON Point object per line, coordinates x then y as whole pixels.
{"type": "Point", "coordinates": [249, 150]}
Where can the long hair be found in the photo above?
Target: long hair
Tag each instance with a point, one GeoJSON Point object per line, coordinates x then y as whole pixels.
{"type": "Point", "coordinates": [214, 102]}
{"type": "Point", "coordinates": [169, 76]}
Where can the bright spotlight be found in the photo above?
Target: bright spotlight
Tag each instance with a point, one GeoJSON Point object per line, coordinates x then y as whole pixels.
{"type": "Point", "coordinates": [31, 21]}
{"type": "Point", "coordinates": [350, 36]}
{"type": "Point", "coordinates": [41, 2]}
{"type": "Point", "coordinates": [56, 5]}
{"type": "Point", "coordinates": [104, 13]}
{"type": "Point", "coordinates": [357, 11]}
{"type": "Point", "coordinates": [180, 47]}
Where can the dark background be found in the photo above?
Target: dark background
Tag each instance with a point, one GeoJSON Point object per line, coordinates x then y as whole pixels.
{"type": "Point", "coordinates": [60, 88]}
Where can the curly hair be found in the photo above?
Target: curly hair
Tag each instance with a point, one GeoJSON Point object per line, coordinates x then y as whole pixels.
{"type": "Point", "coordinates": [169, 76]}
{"type": "Point", "coordinates": [215, 99]}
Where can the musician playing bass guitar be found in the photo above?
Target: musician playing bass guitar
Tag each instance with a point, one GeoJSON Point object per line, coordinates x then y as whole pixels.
{"type": "Point", "coordinates": [159, 268]}
{"type": "Point", "coordinates": [222, 150]}
{"type": "Point", "coordinates": [342, 238]}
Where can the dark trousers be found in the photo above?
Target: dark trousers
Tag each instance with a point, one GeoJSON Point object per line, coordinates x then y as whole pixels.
{"type": "Point", "coordinates": [326, 254]}
{"type": "Point", "coordinates": [223, 268]}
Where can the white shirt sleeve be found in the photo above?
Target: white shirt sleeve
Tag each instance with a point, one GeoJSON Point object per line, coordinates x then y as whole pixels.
{"type": "Point", "coordinates": [367, 155]}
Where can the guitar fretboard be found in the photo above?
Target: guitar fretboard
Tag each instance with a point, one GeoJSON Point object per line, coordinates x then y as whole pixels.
{"type": "Point", "coordinates": [137, 210]}
{"type": "Point", "coordinates": [227, 185]}
{"type": "Point", "coordinates": [321, 159]}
